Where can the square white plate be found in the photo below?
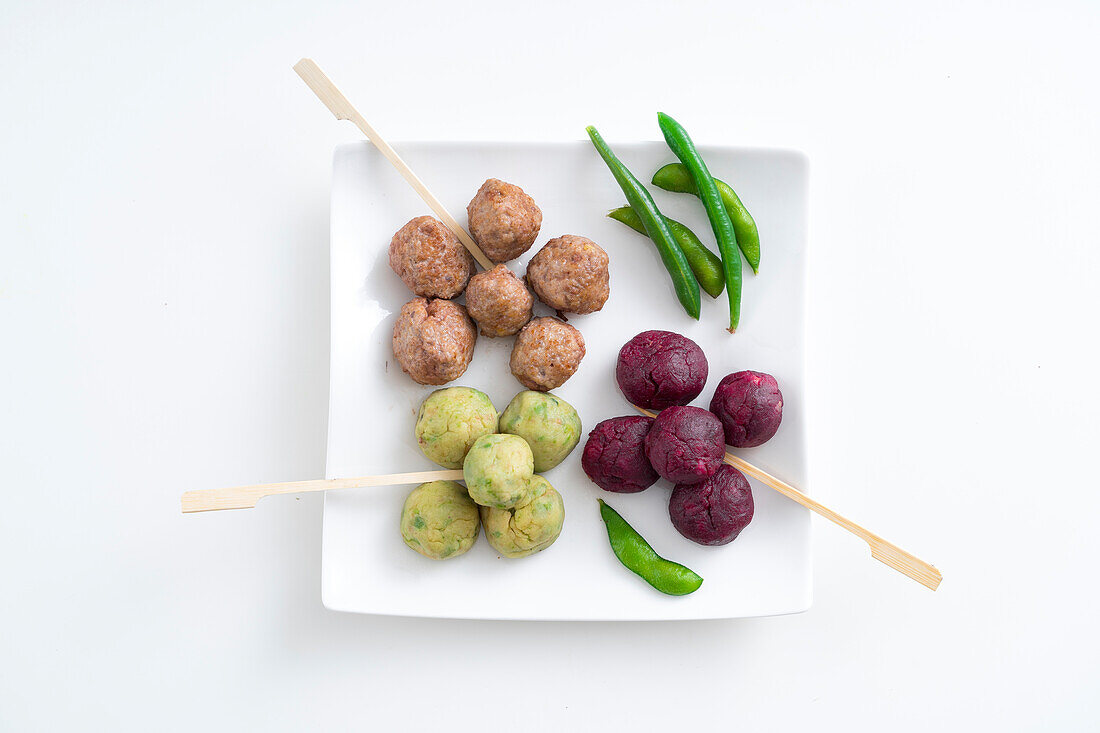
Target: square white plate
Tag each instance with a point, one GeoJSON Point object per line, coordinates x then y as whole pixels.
{"type": "Point", "coordinates": [372, 405]}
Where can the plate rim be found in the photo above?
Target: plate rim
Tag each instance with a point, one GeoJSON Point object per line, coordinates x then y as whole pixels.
{"type": "Point", "coordinates": [803, 160]}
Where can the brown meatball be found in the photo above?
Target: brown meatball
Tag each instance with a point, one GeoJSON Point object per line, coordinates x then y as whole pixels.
{"type": "Point", "coordinates": [430, 260]}
{"type": "Point", "coordinates": [499, 302]}
{"type": "Point", "coordinates": [504, 220]}
{"type": "Point", "coordinates": [433, 340]}
{"type": "Point", "coordinates": [570, 274]}
{"type": "Point", "coordinates": [546, 353]}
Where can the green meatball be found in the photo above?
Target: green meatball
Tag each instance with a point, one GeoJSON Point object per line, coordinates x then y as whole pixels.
{"type": "Point", "coordinates": [549, 424]}
{"type": "Point", "coordinates": [498, 470]}
{"type": "Point", "coordinates": [525, 530]}
{"type": "Point", "coordinates": [449, 422]}
{"type": "Point", "coordinates": [439, 520]}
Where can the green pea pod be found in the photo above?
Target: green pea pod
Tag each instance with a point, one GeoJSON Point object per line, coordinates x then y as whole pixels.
{"type": "Point", "coordinates": [681, 145]}
{"type": "Point", "coordinates": [637, 555]}
{"type": "Point", "coordinates": [705, 264]}
{"type": "Point", "coordinates": [683, 280]}
{"type": "Point", "coordinates": [675, 177]}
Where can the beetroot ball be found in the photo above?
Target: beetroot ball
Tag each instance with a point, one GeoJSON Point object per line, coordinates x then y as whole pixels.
{"type": "Point", "coordinates": [713, 511]}
{"type": "Point", "coordinates": [750, 406]}
{"type": "Point", "coordinates": [658, 369]}
{"type": "Point", "coordinates": [614, 456]}
{"type": "Point", "coordinates": [685, 444]}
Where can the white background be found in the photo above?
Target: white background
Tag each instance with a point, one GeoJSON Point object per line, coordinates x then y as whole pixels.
{"type": "Point", "coordinates": [164, 320]}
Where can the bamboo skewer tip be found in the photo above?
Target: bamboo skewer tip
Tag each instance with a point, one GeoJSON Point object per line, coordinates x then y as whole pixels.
{"type": "Point", "coordinates": [342, 109]}
{"type": "Point", "coordinates": [881, 550]}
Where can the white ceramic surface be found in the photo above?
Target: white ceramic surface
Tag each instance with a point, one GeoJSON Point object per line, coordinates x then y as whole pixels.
{"type": "Point", "coordinates": [366, 568]}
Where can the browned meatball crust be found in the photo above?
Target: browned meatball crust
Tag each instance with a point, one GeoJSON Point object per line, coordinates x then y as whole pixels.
{"type": "Point", "coordinates": [504, 220]}
{"type": "Point", "coordinates": [546, 353]}
{"type": "Point", "coordinates": [430, 260]}
{"type": "Point", "coordinates": [433, 340]}
{"type": "Point", "coordinates": [499, 302]}
{"type": "Point", "coordinates": [569, 274]}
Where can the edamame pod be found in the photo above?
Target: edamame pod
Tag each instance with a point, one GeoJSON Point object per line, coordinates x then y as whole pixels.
{"type": "Point", "coordinates": [675, 177]}
{"type": "Point", "coordinates": [706, 265]}
{"type": "Point", "coordinates": [637, 555]}
{"type": "Point", "coordinates": [683, 279]}
{"type": "Point", "coordinates": [681, 145]}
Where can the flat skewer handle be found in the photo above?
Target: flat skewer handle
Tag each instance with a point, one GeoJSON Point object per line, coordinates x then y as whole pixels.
{"type": "Point", "coordinates": [245, 497]}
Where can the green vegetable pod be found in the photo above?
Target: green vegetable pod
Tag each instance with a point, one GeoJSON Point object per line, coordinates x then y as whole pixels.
{"type": "Point", "coordinates": [675, 177]}
{"type": "Point", "coordinates": [706, 265]}
{"type": "Point", "coordinates": [683, 279]}
{"type": "Point", "coordinates": [683, 148]}
{"type": "Point", "coordinates": [639, 557]}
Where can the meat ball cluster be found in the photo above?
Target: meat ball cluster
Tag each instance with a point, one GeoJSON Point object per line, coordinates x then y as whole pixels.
{"type": "Point", "coordinates": [432, 338]}
{"type": "Point", "coordinates": [711, 502]}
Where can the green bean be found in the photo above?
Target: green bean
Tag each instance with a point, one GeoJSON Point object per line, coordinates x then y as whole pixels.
{"type": "Point", "coordinates": [675, 177]}
{"type": "Point", "coordinates": [637, 555]}
{"type": "Point", "coordinates": [705, 264]}
{"type": "Point", "coordinates": [681, 145]}
{"type": "Point", "coordinates": [683, 280]}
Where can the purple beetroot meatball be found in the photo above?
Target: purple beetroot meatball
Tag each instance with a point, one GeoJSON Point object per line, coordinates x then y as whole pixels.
{"type": "Point", "coordinates": [658, 369]}
{"type": "Point", "coordinates": [685, 444]}
{"type": "Point", "coordinates": [713, 511]}
{"type": "Point", "coordinates": [614, 456]}
{"type": "Point", "coordinates": [750, 406]}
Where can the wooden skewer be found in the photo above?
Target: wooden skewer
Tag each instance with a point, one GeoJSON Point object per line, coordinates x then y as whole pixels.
{"type": "Point", "coordinates": [245, 497]}
{"type": "Point", "coordinates": [883, 551]}
{"type": "Point", "coordinates": [339, 105]}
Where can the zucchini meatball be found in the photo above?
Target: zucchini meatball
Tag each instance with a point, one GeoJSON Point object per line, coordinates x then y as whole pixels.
{"type": "Point", "coordinates": [546, 353]}
{"type": "Point", "coordinates": [499, 302]}
{"type": "Point", "coordinates": [549, 424]}
{"type": "Point", "coordinates": [525, 530]}
{"type": "Point", "coordinates": [450, 420]}
{"type": "Point", "coordinates": [498, 470]}
{"type": "Point", "coordinates": [429, 259]}
{"type": "Point", "coordinates": [433, 340]}
{"type": "Point", "coordinates": [504, 220]}
{"type": "Point", "coordinates": [439, 520]}
{"type": "Point", "coordinates": [569, 274]}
